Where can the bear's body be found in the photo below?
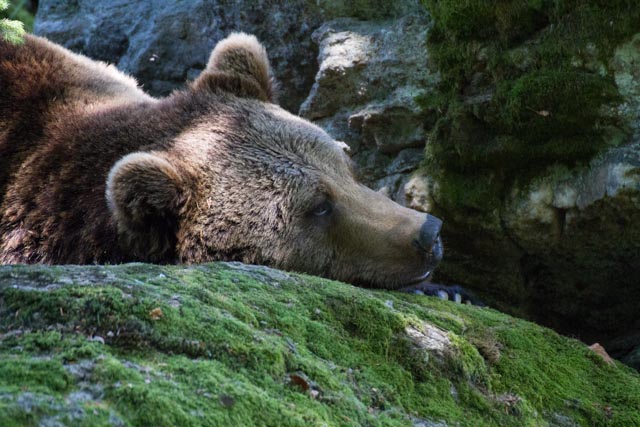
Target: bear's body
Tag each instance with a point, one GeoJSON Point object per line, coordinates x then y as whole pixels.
{"type": "Point", "coordinates": [93, 170]}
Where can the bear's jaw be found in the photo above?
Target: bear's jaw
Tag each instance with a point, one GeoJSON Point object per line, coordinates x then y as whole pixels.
{"type": "Point", "coordinates": [418, 279]}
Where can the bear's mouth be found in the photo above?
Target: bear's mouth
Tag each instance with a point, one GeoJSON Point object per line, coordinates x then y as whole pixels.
{"type": "Point", "coordinates": [419, 279]}
{"type": "Point", "coordinates": [406, 283]}
{"type": "Point", "coordinates": [435, 256]}
{"type": "Point", "coordinates": [416, 282]}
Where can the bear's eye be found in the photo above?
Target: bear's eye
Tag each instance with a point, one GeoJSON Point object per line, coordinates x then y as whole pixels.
{"type": "Point", "coordinates": [323, 209]}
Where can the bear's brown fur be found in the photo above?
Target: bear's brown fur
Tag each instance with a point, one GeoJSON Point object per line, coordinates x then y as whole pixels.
{"type": "Point", "coordinates": [93, 170]}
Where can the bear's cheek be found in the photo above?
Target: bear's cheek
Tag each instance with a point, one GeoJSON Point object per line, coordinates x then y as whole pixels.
{"type": "Point", "coordinates": [362, 255]}
{"type": "Point", "coordinates": [311, 249]}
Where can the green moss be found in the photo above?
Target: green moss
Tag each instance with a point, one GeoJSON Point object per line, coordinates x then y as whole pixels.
{"type": "Point", "coordinates": [469, 362]}
{"type": "Point", "coordinates": [34, 374]}
{"type": "Point", "coordinates": [535, 106]}
{"type": "Point", "coordinates": [14, 20]}
{"type": "Point", "coordinates": [17, 10]}
{"type": "Point", "coordinates": [472, 191]}
{"type": "Point", "coordinates": [525, 83]}
{"type": "Point", "coordinates": [224, 344]}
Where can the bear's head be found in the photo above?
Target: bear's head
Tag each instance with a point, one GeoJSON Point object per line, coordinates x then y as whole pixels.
{"type": "Point", "coordinates": [247, 181]}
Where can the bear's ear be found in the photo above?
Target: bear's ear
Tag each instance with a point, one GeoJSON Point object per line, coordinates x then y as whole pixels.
{"type": "Point", "coordinates": [239, 64]}
{"type": "Point", "coordinates": [145, 194]}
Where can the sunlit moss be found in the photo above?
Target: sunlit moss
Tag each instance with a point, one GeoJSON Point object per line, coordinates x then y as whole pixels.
{"type": "Point", "coordinates": [221, 344]}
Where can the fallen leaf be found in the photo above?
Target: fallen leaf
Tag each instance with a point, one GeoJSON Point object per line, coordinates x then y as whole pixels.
{"type": "Point", "coordinates": [156, 313]}
{"type": "Point", "coordinates": [300, 381]}
{"type": "Point", "coordinates": [542, 113]}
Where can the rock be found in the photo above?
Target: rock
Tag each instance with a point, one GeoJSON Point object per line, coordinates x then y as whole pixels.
{"type": "Point", "coordinates": [340, 353]}
{"type": "Point", "coordinates": [576, 230]}
{"type": "Point", "coordinates": [427, 423]}
{"type": "Point", "coordinates": [562, 248]}
{"type": "Point", "coordinates": [633, 358]}
{"type": "Point", "coordinates": [626, 349]}
{"type": "Point", "coordinates": [432, 340]}
{"type": "Point", "coordinates": [560, 245]}
{"type": "Point", "coordinates": [552, 204]}
{"type": "Point", "coordinates": [165, 44]}
{"type": "Point", "coordinates": [626, 66]}
{"type": "Point", "coordinates": [368, 78]}
{"type": "Point", "coordinates": [559, 420]}
{"type": "Point", "coordinates": [600, 351]}
{"type": "Point", "coordinates": [370, 74]}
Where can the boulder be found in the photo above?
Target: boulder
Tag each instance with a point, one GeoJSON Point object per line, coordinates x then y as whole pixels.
{"type": "Point", "coordinates": [233, 344]}
{"type": "Point", "coordinates": [576, 233]}
{"type": "Point", "coordinates": [169, 42]}
{"type": "Point", "coordinates": [166, 43]}
{"type": "Point", "coordinates": [561, 245]}
{"type": "Point", "coordinates": [370, 75]}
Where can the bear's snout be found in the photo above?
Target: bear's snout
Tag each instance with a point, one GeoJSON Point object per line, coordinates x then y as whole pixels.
{"type": "Point", "coordinates": [429, 238]}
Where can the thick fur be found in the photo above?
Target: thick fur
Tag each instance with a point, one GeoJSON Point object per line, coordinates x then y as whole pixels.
{"type": "Point", "coordinates": [145, 194]}
{"type": "Point", "coordinates": [93, 170]}
{"type": "Point", "coordinates": [244, 58]}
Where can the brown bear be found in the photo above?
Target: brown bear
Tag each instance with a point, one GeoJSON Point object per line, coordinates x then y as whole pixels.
{"type": "Point", "coordinates": [93, 170]}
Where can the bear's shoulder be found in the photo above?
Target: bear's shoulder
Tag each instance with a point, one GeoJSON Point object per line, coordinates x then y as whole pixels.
{"type": "Point", "coordinates": [39, 69]}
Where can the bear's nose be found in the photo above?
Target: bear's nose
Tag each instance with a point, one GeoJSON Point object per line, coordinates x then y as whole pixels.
{"type": "Point", "coordinates": [429, 233]}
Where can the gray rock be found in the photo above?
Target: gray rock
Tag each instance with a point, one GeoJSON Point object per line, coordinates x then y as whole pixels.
{"type": "Point", "coordinates": [165, 43]}
{"type": "Point", "coordinates": [550, 206]}
{"type": "Point", "coordinates": [626, 67]}
{"type": "Point", "coordinates": [369, 76]}
{"type": "Point", "coordinates": [566, 243]}
{"type": "Point", "coordinates": [560, 420]}
{"type": "Point", "coordinates": [417, 422]}
{"type": "Point", "coordinates": [431, 340]}
{"type": "Point", "coordinates": [633, 358]}
{"type": "Point", "coordinates": [169, 42]}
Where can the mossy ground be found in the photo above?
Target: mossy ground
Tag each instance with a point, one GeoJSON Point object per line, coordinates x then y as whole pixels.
{"type": "Point", "coordinates": [226, 344]}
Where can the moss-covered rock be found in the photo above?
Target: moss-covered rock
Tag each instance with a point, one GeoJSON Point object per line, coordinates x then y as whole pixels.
{"type": "Point", "coordinates": [230, 344]}
{"type": "Point", "coordinates": [534, 74]}
{"type": "Point", "coordinates": [534, 159]}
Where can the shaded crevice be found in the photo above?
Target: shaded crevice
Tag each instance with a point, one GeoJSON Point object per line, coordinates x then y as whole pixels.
{"type": "Point", "coordinates": [559, 222]}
